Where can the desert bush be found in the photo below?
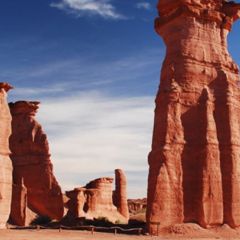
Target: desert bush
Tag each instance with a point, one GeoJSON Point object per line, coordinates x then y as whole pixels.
{"type": "Point", "coordinates": [41, 220]}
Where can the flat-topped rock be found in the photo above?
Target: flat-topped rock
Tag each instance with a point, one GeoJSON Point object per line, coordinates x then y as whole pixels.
{"type": "Point", "coordinates": [95, 200]}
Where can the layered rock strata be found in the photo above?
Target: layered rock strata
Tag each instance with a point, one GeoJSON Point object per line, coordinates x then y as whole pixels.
{"type": "Point", "coordinates": [31, 161]}
{"type": "Point", "coordinates": [194, 175]}
{"type": "Point", "coordinates": [5, 161]}
{"type": "Point", "coordinates": [95, 200]}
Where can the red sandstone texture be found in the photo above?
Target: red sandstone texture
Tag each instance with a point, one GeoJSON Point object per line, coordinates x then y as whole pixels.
{"type": "Point", "coordinates": [20, 215]}
{"type": "Point", "coordinates": [194, 173]}
{"type": "Point", "coordinates": [5, 161]}
{"type": "Point", "coordinates": [120, 193]}
{"type": "Point", "coordinates": [31, 162]}
{"type": "Point", "coordinates": [95, 200]}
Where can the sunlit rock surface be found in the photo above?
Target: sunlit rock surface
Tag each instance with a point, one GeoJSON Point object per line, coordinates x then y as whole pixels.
{"type": "Point", "coordinates": [5, 161]}
{"type": "Point", "coordinates": [194, 173]}
{"type": "Point", "coordinates": [95, 200]}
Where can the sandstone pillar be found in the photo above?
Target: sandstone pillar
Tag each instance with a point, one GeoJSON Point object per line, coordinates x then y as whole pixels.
{"type": "Point", "coordinates": [194, 173]}
{"type": "Point", "coordinates": [120, 193]}
{"type": "Point", "coordinates": [31, 161]}
{"type": "Point", "coordinates": [5, 162]}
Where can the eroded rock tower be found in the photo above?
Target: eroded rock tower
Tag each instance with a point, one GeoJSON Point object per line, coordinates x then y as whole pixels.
{"type": "Point", "coordinates": [194, 173]}
{"type": "Point", "coordinates": [31, 162]}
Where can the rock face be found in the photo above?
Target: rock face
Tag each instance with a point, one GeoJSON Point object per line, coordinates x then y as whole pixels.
{"type": "Point", "coordinates": [120, 193]}
{"type": "Point", "coordinates": [5, 161]}
{"type": "Point", "coordinates": [31, 161]}
{"type": "Point", "coordinates": [20, 215]}
{"type": "Point", "coordinates": [95, 200]}
{"type": "Point", "coordinates": [18, 205]}
{"type": "Point", "coordinates": [194, 173]}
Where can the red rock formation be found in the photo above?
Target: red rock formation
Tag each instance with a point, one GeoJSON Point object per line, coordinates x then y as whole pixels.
{"type": "Point", "coordinates": [120, 193]}
{"type": "Point", "coordinates": [136, 206]}
{"type": "Point", "coordinates": [5, 162]}
{"type": "Point", "coordinates": [20, 215]}
{"type": "Point", "coordinates": [194, 175]}
{"type": "Point", "coordinates": [95, 200]}
{"type": "Point", "coordinates": [18, 205]}
{"type": "Point", "coordinates": [31, 161]}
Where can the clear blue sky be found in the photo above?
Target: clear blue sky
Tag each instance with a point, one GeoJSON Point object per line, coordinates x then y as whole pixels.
{"type": "Point", "coordinates": [94, 65]}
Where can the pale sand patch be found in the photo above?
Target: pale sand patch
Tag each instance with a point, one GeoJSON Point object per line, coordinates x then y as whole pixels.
{"type": "Point", "coordinates": [85, 235]}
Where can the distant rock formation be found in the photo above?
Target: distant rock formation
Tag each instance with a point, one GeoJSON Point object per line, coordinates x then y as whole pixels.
{"type": "Point", "coordinates": [5, 161]}
{"type": "Point", "coordinates": [120, 193]}
{"type": "Point", "coordinates": [137, 205]}
{"type": "Point", "coordinates": [31, 162]}
{"type": "Point", "coordinates": [194, 174]}
{"type": "Point", "coordinates": [95, 200]}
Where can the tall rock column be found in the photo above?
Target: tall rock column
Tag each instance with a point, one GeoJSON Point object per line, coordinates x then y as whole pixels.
{"type": "Point", "coordinates": [31, 161]}
{"type": "Point", "coordinates": [120, 193]}
{"type": "Point", "coordinates": [5, 161]}
{"type": "Point", "coordinates": [193, 165]}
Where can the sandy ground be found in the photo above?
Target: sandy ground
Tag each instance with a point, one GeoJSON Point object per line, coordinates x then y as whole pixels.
{"type": "Point", "coordinates": [85, 235]}
{"type": "Point", "coordinates": [63, 235]}
{"type": "Point", "coordinates": [185, 231]}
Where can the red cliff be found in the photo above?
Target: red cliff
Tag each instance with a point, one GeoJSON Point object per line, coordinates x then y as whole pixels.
{"type": "Point", "coordinates": [20, 215]}
{"type": "Point", "coordinates": [31, 161]}
{"type": "Point", "coordinates": [193, 164]}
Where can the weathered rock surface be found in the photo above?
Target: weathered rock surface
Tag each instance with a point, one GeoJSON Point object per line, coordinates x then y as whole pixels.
{"type": "Point", "coordinates": [31, 161]}
{"type": "Point", "coordinates": [120, 193]}
{"type": "Point", "coordinates": [5, 161]}
{"type": "Point", "coordinates": [95, 200]}
{"type": "Point", "coordinates": [20, 215]}
{"type": "Point", "coordinates": [194, 173]}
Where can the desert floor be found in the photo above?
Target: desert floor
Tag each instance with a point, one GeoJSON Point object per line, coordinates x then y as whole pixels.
{"type": "Point", "coordinates": [85, 235]}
